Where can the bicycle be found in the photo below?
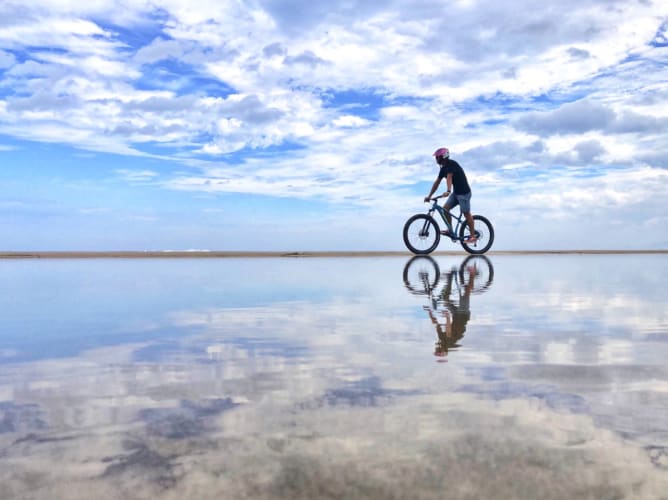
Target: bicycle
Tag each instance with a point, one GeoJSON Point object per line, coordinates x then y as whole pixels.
{"type": "Point", "coordinates": [422, 274]}
{"type": "Point", "coordinates": [422, 234]}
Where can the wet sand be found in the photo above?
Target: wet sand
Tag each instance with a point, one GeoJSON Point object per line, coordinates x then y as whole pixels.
{"type": "Point", "coordinates": [252, 254]}
{"type": "Point", "coordinates": [283, 378]}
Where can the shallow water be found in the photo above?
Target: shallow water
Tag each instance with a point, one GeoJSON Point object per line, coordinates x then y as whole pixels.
{"type": "Point", "coordinates": [507, 376]}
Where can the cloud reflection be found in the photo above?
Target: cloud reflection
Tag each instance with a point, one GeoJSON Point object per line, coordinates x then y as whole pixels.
{"type": "Point", "coordinates": [338, 395]}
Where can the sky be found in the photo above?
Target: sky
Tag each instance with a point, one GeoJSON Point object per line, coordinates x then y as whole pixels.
{"type": "Point", "coordinates": [302, 126]}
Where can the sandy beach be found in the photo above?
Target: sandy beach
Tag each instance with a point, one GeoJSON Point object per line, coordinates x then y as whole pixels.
{"type": "Point", "coordinates": [132, 254]}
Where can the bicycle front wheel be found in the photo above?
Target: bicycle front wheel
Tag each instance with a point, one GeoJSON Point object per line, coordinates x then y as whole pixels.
{"type": "Point", "coordinates": [421, 234]}
{"type": "Point", "coordinates": [421, 275]}
{"type": "Point", "coordinates": [484, 232]}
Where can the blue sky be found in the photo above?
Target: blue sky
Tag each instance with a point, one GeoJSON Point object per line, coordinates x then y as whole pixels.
{"type": "Point", "coordinates": [295, 125]}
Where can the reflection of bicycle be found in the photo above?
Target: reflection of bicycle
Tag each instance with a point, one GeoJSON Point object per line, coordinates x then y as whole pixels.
{"type": "Point", "coordinates": [422, 234]}
{"type": "Point", "coordinates": [422, 274]}
{"type": "Point", "coordinates": [448, 295]}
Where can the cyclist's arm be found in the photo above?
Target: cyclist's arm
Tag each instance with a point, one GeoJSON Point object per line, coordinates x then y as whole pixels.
{"type": "Point", "coordinates": [449, 181]}
{"type": "Point", "coordinates": [434, 187]}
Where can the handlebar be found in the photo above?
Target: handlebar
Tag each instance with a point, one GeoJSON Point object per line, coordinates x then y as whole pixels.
{"type": "Point", "coordinates": [434, 198]}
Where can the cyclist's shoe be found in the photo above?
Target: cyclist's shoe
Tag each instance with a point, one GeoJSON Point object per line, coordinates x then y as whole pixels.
{"type": "Point", "coordinates": [471, 239]}
{"type": "Point", "coordinates": [447, 233]}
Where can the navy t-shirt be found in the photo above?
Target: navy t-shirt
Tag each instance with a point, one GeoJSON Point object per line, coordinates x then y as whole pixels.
{"type": "Point", "coordinates": [459, 183]}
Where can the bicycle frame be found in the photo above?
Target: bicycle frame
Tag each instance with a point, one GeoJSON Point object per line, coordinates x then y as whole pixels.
{"type": "Point", "coordinates": [419, 230]}
{"type": "Point", "coordinates": [454, 233]}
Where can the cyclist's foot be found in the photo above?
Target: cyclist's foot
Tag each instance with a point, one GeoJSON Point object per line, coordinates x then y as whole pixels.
{"type": "Point", "coordinates": [471, 239]}
{"type": "Point", "coordinates": [446, 233]}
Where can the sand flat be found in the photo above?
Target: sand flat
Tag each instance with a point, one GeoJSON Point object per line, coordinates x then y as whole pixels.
{"type": "Point", "coordinates": [255, 254]}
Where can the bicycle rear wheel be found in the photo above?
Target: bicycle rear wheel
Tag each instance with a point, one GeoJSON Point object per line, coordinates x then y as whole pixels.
{"type": "Point", "coordinates": [421, 234]}
{"type": "Point", "coordinates": [483, 230]}
{"type": "Point", "coordinates": [480, 269]}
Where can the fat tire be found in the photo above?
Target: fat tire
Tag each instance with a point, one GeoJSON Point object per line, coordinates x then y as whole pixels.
{"type": "Point", "coordinates": [434, 227]}
{"type": "Point", "coordinates": [433, 274]}
{"type": "Point", "coordinates": [479, 219]}
{"type": "Point", "coordinates": [481, 261]}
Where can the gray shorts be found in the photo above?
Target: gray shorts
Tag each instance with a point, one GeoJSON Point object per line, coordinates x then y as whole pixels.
{"type": "Point", "coordinates": [464, 200]}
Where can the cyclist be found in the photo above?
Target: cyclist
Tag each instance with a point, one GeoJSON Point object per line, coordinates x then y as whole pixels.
{"type": "Point", "coordinates": [461, 195]}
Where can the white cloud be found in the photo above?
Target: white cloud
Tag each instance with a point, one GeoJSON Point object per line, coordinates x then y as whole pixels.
{"type": "Point", "coordinates": [94, 211]}
{"type": "Point", "coordinates": [350, 121]}
{"type": "Point", "coordinates": [366, 90]}
{"type": "Point", "coordinates": [136, 175]}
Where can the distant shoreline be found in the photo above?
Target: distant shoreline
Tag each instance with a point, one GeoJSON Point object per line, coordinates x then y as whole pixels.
{"type": "Point", "coordinates": [249, 254]}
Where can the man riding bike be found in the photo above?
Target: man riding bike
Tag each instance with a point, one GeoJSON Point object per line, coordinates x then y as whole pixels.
{"type": "Point", "coordinates": [461, 195]}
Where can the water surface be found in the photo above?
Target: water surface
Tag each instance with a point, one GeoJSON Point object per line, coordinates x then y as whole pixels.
{"type": "Point", "coordinates": [507, 376]}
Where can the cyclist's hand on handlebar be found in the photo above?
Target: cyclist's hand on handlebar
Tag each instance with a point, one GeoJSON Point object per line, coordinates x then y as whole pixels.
{"type": "Point", "coordinates": [427, 199]}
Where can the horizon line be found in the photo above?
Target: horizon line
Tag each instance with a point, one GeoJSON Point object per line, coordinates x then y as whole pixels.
{"type": "Point", "coordinates": [77, 254]}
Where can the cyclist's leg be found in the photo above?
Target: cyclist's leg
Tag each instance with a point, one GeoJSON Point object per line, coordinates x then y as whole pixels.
{"type": "Point", "coordinates": [449, 204]}
{"type": "Point", "coordinates": [465, 202]}
{"type": "Point", "coordinates": [447, 289]}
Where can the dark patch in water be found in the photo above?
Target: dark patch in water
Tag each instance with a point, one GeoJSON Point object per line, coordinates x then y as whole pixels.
{"type": "Point", "coordinates": [142, 462]}
{"type": "Point", "coordinates": [658, 455]}
{"type": "Point", "coordinates": [35, 438]}
{"type": "Point", "coordinates": [187, 421]}
{"type": "Point", "coordinates": [16, 417]}
{"type": "Point", "coordinates": [510, 390]}
{"type": "Point", "coordinates": [367, 392]}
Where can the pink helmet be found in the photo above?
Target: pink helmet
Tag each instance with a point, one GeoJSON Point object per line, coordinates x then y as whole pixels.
{"type": "Point", "coordinates": [442, 153]}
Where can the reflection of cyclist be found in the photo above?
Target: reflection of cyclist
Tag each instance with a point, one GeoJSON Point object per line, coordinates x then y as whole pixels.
{"type": "Point", "coordinates": [458, 189]}
{"type": "Point", "coordinates": [457, 313]}
{"type": "Point", "coordinates": [448, 307]}
{"type": "Point", "coordinates": [447, 336]}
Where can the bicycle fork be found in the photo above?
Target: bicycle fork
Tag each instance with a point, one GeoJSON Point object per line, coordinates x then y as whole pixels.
{"type": "Point", "coordinates": [424, 232]}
